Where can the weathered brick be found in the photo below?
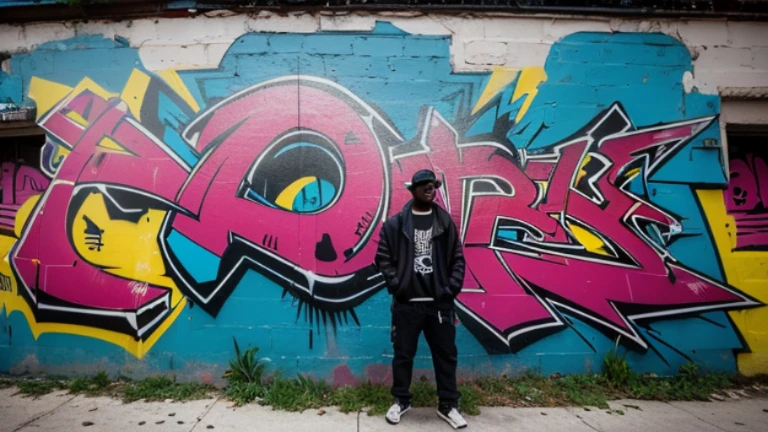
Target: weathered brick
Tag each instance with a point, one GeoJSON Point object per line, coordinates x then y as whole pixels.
{"type": "Point", "coordinates": [215, 52]}
{"type": "Point", "coordinates": [347, 23]}
{"type": "Point", "coordinates": [157, 57]}
{"type": "Point", "coordinates": [698, 33]}
{"type": "Point", "coordinates": [38, 34]}
{"type": "Point", "coordinates": [723, 59]}
{"type": "Point", "coordinates": [356, 66]}
{"type": "Point", "coordinates": [378, 46]}
{"type": "Point", "coordinates": [286, 43]}
{"type": "Point", "coordinates": [423, 68]}
{"type": "Point", "coordinates": [290, 341]}
{"type": "Point", "coordinates": [524, 29]}
{"type": "Point", "coordinates": [527, 54]}
{"type": "Point", "coordinates": [747, 34]}
{"type": "Point", "coordinates": [557, 29]}
{"type": "Point", "coordinates": [760, 58]}
{"type": "Point", "coordinates": [328, 44]}
{"type": "Point", "coordinates": [485, 53]}
{"type": "Point", "coordinates": [427, 47]}
{"type": "Point", "coordinates": [250, 44]}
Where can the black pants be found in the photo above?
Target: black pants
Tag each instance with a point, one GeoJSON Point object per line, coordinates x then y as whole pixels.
{"type": "Point", "coordinates": [408, 321]}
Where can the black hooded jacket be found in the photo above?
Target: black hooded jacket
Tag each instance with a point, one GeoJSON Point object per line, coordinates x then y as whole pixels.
{"type": "Point", "coordinates": [394, 257]}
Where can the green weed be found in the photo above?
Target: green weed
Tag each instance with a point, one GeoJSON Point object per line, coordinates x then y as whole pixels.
{"type": "Point", "coordinates": [615, 366]}
{"type": "Point", "coordinates": [471, 399]}
{"type": "Point", "coordinates": [242, 393]}
{"type": "Point", "coordinates": [424, 394]}
{"type": "Point", "coordinates": [296, 394]}
{"type": "Point", "coordinates": [39, 387]}
{"type": "Point", "coordinates": [6, 383]}
{"type": "Point", "coordinates": [92, 386]}
{"type": "Point", "coordinates": [366, 395]}
{"type": "Point", "coordinates": [245, 367]}
{"type": "Point", "coordinates": [162, 388]}
{"type": "Point", "coordinates": [247, 383]}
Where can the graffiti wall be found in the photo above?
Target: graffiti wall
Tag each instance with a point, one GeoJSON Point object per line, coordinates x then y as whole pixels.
{"type": "Point", "coordinates": [176, 209]}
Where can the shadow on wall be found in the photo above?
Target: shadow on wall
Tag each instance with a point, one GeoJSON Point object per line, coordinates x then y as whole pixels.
{"type": "Point", "coordinates": [253, 193]}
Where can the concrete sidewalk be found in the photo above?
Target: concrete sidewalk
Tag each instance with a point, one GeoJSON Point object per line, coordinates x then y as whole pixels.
{"type": "Point", "coordinates": [63, 412]}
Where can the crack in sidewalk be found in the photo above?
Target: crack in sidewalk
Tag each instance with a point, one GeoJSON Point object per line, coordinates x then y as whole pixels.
{"type": "Point", "coordinates": [568, 410]}
{"type": "Point", "coordinates": [695, 416]}
{"type": "Point", "coordinates": [34, 419]}
{"type": "Point", "coordinates": [200, 419]}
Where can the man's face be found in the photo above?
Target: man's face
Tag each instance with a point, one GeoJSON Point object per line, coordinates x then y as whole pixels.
{"type": "Point", "coordinates": [425, 192]}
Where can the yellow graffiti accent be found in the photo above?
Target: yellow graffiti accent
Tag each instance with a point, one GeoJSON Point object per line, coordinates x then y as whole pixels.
{"type": "Point", "coordinates": [62, 151]}
{"type": "Point", "coordinates": [77, 118]}
{"type": "Point", "coordinates": [13, 302]}
{"type": "Point", "coordinates": [49, 94]}
{"type": "Point", "coordinates": [175, 82]}
{"type": "Point", "coordinates": [500, 78]}
{"type": "Point", "coordinates": [544, 186]}
{"type": "Point", "coordinates": [22, 214]}
{"type": "Point", "coordinates": [112, 146]}
{"type": "Point", "coordinates": [591, 242]}
{"type": "Point", "coordinates": [46, 94]}
{"type": "Point", "coordinates": [87, 84]}
{"type": "Point", "coordinates": [528, 85]}
{"type": "Point", "coordinates": [582, 172]}
{"type": "Point", "coordinates": [633, 172]}
{"type": "Point", "coordinates": [746, 270]}
{"type": "Point", "coordinates": [288, 195]}
{"type": "Point", "coordinates": [134, 91]}
{"type": "Point", "coordinates": [129, 250]}
{"type": "Point", "coordinates": [8, 299]}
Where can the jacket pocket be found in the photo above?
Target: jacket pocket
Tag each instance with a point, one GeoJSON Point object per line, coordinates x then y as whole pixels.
{"type": "Point", "coordinates": [401, 295]}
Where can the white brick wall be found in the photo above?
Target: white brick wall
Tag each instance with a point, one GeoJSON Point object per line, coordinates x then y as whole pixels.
{"type": "Point", "coordinates": [728, 54]}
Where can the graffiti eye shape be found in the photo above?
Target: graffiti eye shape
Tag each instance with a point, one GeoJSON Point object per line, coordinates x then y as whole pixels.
{"type": "Point", "coordinates": [301, 172]}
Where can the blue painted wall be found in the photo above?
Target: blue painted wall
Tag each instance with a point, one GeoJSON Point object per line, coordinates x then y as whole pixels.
{"type": "Point", "coordinates": [399, 74]}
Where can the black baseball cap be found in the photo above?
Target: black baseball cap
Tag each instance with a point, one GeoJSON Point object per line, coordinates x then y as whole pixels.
{"type": "Point", "coordinates": [424, 176]}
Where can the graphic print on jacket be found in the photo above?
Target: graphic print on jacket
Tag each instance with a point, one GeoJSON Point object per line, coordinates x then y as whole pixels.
{"type": "Point", "coordinates": [423, 286]}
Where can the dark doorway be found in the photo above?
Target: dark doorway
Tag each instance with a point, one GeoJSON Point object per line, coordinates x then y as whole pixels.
{"type": "Point", "coordinates": [747, 196]}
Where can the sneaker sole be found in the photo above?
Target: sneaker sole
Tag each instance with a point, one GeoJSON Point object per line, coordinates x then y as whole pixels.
{"type": "Point", "coordinates": [449, 421]}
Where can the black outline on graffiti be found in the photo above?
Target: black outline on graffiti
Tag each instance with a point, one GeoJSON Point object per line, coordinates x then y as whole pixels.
{"type": "Point", "coordinates": [513, 339]}
{"type": "Point", "coordinates": [327, 294]}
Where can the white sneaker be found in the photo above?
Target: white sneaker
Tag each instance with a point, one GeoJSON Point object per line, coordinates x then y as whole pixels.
{"type": "Point", "coordinates": [453, 417]}
{"type": "Point", "coordinates": [395, 413]}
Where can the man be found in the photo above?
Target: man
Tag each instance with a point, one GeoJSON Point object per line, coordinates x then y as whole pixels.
{"type": "Point", "coordinates": [421, 259]}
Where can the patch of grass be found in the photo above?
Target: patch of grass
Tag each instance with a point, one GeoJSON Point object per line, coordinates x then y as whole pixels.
{"type": "Point", "coordinates": [162, 388]}
{"type": "Point", "coordinates": [366, 395]}
{"type": "Point", "coordinates": [471, 399]}
{"type": "Point", "coordinates": [6, 383]}
{"type": "Point", "coordinates": [296, 394]}
{"type": "Point", "coordinates": [424, 393]}
{"type": "Point", "coordinates": [91, 386]}
{"type": "Point", "coordinates": [242, 393]}
{"type": "Point", "coordinates": [245, 368]}
{"type": "Point", "coordinates": [246, 384]}
{"type": "Point", "coordinates": [689, 384]}
{"type": "Point", "coordinates": [615, 366]}
{"type": "Point", "coordinates": [39, 387]}
{"type": "Point", "coordinates": [586, 390]}
{"type": "Point", "coordinates": [244, 376]}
